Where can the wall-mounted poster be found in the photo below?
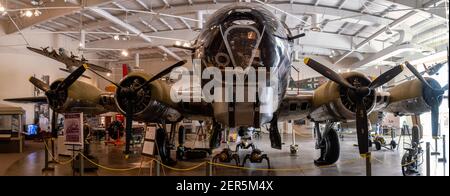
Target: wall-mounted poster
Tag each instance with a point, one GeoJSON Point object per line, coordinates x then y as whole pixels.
{"type": "Point", "coordinates": [73, 128]}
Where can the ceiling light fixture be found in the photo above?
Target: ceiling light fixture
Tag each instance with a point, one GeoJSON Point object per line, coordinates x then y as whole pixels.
{"type": "Point", "coordinates": [186, 44]}
{"type": "Point", "coordinates": [124, 53]}
{"type": "Point", "coordinates": [116, 37]}
{"type": "Point", "coordinates": [108, 74]}
{"type": "Point", "coordinates": [28, 13]}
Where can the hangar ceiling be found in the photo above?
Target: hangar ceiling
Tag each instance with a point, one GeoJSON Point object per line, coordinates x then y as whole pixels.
{"type": "Point", "coordinates": [354, 33]}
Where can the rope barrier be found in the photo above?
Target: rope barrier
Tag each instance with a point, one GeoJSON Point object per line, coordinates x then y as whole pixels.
{"type": "Point", "coordinates": [54, 158]}
{"type": "Point", "coordinates": [300, 169]}
{"type": "Point", "coordinates": [109, 168]}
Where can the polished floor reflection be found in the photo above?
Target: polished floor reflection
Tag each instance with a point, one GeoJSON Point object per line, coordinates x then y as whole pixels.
{"type": "Point", "coordinates": [385, 163]}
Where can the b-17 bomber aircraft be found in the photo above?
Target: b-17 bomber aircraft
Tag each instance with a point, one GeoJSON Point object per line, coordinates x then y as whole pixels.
{"type": "Point", "coordinates": [72, 62]}
{"type": "Point", "coordinates": [246, 42]}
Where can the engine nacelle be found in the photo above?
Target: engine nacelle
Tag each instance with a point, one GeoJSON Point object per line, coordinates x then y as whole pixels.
{"type": "Point", "coordinates": [79, 97]}
{"type": "Point", "coordinates": [153, 102]}
{"type": "Point", "coordinates": [331, 101]}
{"type": "Point", "coordinates": [411, 97]}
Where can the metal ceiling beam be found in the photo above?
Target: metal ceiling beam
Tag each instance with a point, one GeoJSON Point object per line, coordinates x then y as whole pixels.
{"type": "Point", "coordinates": [296, 8]}
{"type": "Point", "coordinates": [130, 28]}
{"type": "Point", "coordinates": [342, 28]}
{"type": "Point", "coordinates": [165, 23]}
{"type": "Point", "coordinates": [378, 33]}
{"type": "Point", "coordinates": [432, 3]}
{"type": "Point", "coordinates": [86, 15]}
{"type": "Point", "coordinates": [386, 53]}
{"type": "Point", "coordinates": [119, 6]}
{"type": "Point", "coordinates": [149, 25]}
{"type": "Point", "coordinates": [438, 13]}
{"type": "Point", "coordinates": [317, 2]}
{"type": "Point", "coordinates": [185, 23]}
{"type": "Point", "coordinates": [142, 4]}
{"type": "Point", "coordinates": [166, 3]}
{"type": "Point", "coordinates": [59, 24]}
{"type": "Point", "coordinates": [71, 19]}
{"type": "Point", "coordinates": [341, 4]}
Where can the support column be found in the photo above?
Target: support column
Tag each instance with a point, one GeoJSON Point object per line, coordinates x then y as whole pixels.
{"type": "Point", "coordinates": [200, 19]}
{"type": "Point", "coordinates": [137, 60]}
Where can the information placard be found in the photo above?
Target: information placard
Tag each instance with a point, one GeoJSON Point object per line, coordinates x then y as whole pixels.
{"type": "Point", "coordinates": [73, 129]}
{"type": "Point", "coordinates": [148, 148]}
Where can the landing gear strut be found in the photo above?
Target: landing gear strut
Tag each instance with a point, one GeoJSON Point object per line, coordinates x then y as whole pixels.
{"type": "Point", "coordinates": [274, 134]}
{"type": "Point", "coordinates": [245, 136]}
{"type": "Point", "coordinates": [328, 143]}
{"type": "Point", "coordinates": [214, 141]}
{"type": "Point", "coordinates": [163, 147]}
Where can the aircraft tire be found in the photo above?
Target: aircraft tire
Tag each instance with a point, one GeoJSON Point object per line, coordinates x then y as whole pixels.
{"type": "Point", "coordinates": [377, 145]}
{"type": "Point", "coordinates": [330, 149]}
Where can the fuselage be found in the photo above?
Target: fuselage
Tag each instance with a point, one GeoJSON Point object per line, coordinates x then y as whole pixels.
{"type": "Point", "coordinates": [239, 37]}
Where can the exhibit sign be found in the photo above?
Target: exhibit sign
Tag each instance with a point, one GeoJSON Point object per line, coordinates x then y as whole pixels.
{"type": "Point", "coordinates": [73, 129]}
{"type": "Point", "coordinates": [148, 148]}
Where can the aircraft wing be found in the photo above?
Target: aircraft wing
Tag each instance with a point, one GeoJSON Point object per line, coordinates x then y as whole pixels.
{"type": "Point", "coordinates": [41, 99]}
{"type": "Point", "coordinates": [295, 107]}
{"type": "Point", "coordinates": [66, 70]}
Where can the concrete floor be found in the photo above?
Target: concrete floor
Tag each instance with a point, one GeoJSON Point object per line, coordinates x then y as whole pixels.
{"type": "Point", "coordinates": [386, 162]}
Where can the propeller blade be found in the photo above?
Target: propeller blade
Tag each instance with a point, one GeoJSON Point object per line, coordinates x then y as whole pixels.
{"type": "Point", "coordinates": [39, 84]}
{"type": "Point", "coordinates": [418, 75]}
{"type": "Point", "coordinates": [386, 77]}
{"type": "Point", "coordinates": [162, 73]}
{"type": "Point", "coordinates": [445, 88]}
{"type": "Point", "coordinates": [435, 120]}
{"type": "Point", "coordinates": [327, 72]}
{"type": "Point", "coordinates": [362, 128]}
{"type": "Point", "coordinates": [42, 99]}
{"type": "Point", "coordinates": [65, 84]}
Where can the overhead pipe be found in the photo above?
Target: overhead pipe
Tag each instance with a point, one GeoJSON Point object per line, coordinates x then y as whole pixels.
{"type": "Point", "coordinates": [394, 24]}
{"type": "Point", "coordinates": [132, 29]}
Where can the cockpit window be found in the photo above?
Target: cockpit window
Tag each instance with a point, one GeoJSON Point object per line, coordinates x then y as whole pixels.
{"type": "Point", "coordinates": [242, 44]}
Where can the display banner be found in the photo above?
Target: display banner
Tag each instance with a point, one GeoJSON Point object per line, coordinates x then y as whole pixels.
{"type": "Point", "coordinates": [73, 129]}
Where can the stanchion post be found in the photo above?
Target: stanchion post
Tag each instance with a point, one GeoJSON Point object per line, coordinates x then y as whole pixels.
{"type": "Point", "coordinates": [428, 157]}
{"type": "Point", "coordinates": [73, 158]}
{"type": "Point", "coordinates": [81, 164]}
{"type": "Point", "coordinates": [443, 149]}
{"type": "Point", "coordinates": [158, 168]}
{"type": "Point", "coordinates": [208, 169]}
{"type": "Point", "coordinates": [46, 167]}
{"type": "Point", "coordinates": [368, 164]}
{"type": "Point", "coordinates": [443, 160]}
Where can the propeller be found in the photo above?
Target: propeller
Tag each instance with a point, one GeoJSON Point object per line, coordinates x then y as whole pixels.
{"type": "Point", "coordinates": [131, 93]}
{"type": "Point", "coordinates": [436, 95]}
{"type": "Point", "coordinates": [60, 89]}
{"type": "Point", "coordinates": [58, 93]}
{"type": "Point", "coordinates": [357, 93]}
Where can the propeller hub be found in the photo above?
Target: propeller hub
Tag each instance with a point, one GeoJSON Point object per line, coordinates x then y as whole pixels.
{"type": "Point", "coordinates": [128, 95]}
{"type": "Point", "coordinates": [363, 92]}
